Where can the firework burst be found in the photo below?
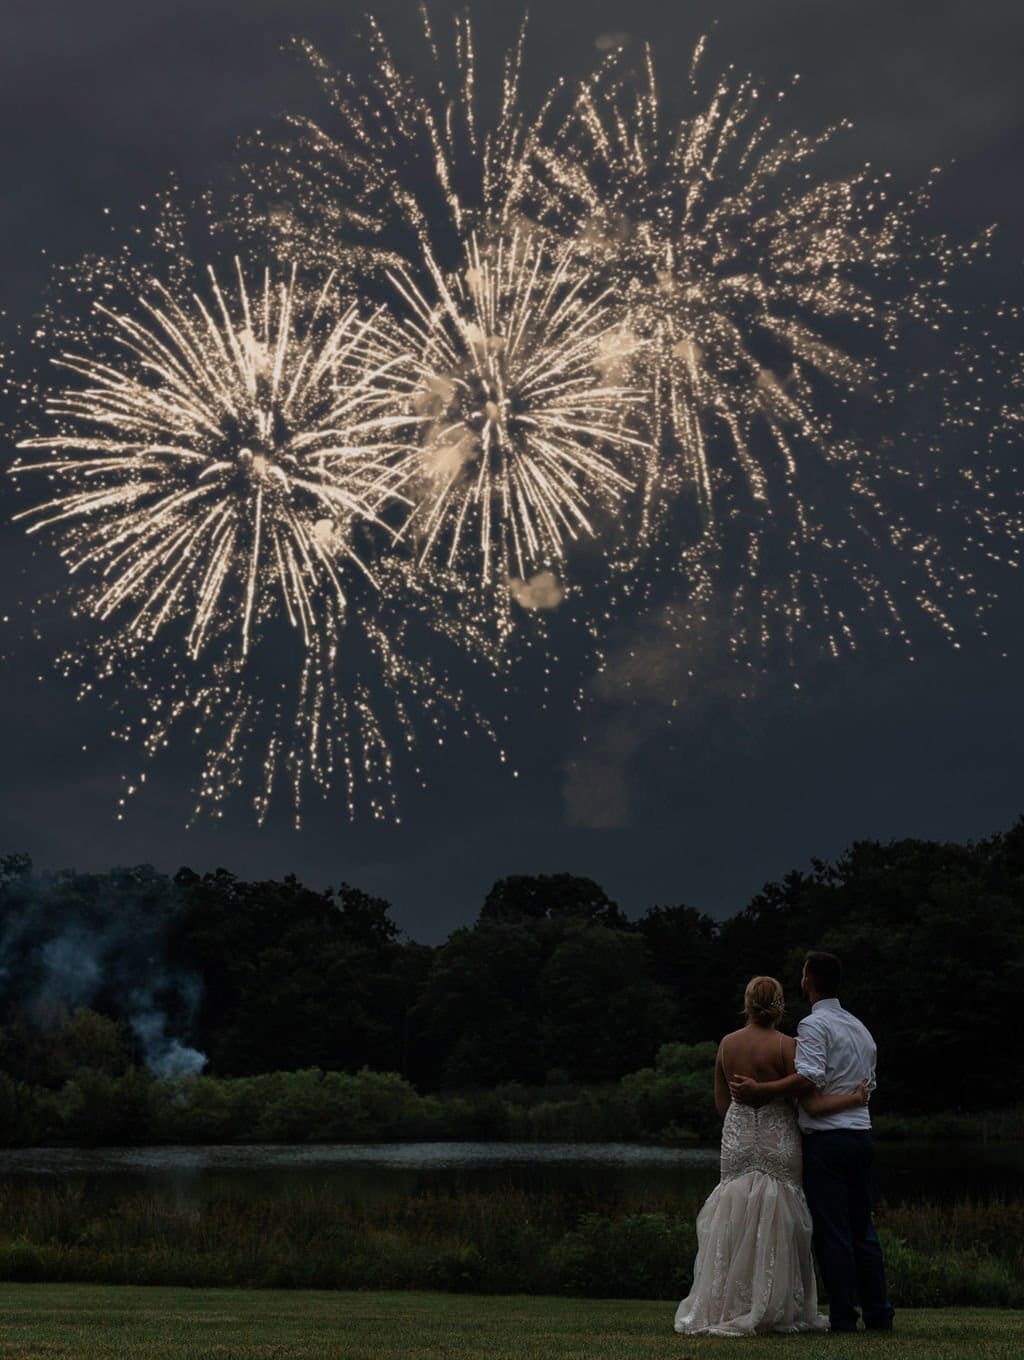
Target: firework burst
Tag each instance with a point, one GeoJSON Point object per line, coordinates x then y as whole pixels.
{"type": "Point", "coordinates": [225, 478]}
{"type": "Point", "coordinates": [730, 269]}
{"type": "Point", "coordinates": [213, 458]}
{"type": "Point", "coordinates": [768, 304]}
{"type": "Point", "coordinates": [523, 425]}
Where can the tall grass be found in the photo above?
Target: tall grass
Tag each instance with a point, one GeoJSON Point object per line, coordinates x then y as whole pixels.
{"type": "Point", "coordinates": [502, 1241]}
{"type": "Point", "coordinates": [992, 1126]}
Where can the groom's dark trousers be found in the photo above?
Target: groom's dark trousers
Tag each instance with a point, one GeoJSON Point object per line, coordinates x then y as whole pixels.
{"type": "Point", "coordinates": [837, 1170]}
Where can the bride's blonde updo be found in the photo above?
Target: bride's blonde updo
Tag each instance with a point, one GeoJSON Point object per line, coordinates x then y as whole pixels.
{"type": "Point", "coordinates": [762, 1001]}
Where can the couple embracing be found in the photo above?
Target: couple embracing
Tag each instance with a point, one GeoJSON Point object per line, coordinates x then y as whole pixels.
{"type": "Point", "coordinates": [790, 1176]}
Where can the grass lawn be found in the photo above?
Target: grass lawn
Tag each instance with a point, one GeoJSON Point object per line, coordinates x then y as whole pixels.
{"type": "Point", "coordinates": [125, 1322]}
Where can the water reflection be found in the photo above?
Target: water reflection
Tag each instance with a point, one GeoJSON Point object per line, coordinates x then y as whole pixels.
{"type": "Point", "coordinates": [410, 1156]}
{"type": "Point", "coordinates": [595, 1173]}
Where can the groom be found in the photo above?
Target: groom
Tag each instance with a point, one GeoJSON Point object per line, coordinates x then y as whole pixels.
{"type": "Point", "coordinates": [835, 1052]}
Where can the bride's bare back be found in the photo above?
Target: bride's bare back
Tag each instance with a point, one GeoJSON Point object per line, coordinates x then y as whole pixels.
{"type": "Point", "coordinates": [757, 1051]}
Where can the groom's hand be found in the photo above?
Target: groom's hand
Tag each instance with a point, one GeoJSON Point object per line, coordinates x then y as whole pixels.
{"type": "Point", "coordinates": [745, 1090]}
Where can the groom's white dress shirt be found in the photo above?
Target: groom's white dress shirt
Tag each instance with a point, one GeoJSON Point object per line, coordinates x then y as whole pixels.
{"type": "Point", "coordinates": [837, 1053]}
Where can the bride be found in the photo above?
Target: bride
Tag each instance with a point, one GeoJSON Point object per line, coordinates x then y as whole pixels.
{"type": "Point", "coordinates": [753, 1271]}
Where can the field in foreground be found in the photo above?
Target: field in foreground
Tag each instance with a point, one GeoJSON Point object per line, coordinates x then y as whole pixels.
{"type": "Point", "coordinates": [92, 1322]}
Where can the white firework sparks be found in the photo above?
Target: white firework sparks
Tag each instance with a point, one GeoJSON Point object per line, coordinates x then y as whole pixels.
{"type": "Point", "coordinates": [404, 165]}
{"type": "Point", "coordinates": [668, 339]}
{"type": "Point", "coordinates": [337, 715]}
{"type": "Point", "coordinates": [225, 487]}
{"type": "Point", "coordinates": [719, 262]}
{"type": "Point", "coordinates": [770, 303]}
{"type": "Point", "coordinates": [213, 461]}
{"type": "Point", "coordinates": [524, 427]}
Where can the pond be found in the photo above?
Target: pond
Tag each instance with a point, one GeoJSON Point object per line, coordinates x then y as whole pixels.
{"type": "Point", "coordinates": [594, 1173]}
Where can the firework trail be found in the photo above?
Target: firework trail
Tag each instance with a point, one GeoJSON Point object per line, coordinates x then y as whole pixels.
{"type": "Point", "coordinates": [403, 166]}
{"type": "Point", "coordinates": [988, 420]}
{"type": "Point", "coordinates": [524, 425]}
{"type": "Point", "coordinates": [336, 714]}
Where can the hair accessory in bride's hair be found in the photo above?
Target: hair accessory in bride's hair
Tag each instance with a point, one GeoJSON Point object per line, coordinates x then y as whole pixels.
{"type": "Point", "coordinates": [763, 1000]}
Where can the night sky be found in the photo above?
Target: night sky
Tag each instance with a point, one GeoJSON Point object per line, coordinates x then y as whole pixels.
{"type": "Point", "coordinates": [99, 102]}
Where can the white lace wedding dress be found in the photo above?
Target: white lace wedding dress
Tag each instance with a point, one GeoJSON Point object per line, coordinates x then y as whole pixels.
{"type": "Point", "coordinates": [753, 1271]}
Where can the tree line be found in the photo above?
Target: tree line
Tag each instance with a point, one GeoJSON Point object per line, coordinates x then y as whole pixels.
{"type": "Point", "coordinates": [551, 986]}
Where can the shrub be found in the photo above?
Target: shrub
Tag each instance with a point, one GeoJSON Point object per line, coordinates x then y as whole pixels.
{"type": "Point", "coordinates": [25, 1113]}
{"type": "Point", "coordinates": [640, 1256]}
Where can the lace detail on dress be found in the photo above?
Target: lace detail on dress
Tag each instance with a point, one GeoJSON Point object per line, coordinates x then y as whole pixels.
{"type": "Point", "coordinates": [765, 1139]}
{"type": "Point", "coordinates": [753, 1271]}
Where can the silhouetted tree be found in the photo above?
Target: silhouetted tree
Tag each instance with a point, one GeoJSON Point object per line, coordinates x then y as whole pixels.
{"type": "Point", "coordinates": [551, 981]}
{"type": "Point", "coordinates": [602, 1014]}
{"type": "Point", "coordinates": [479, 1005]}
{"type": "Point", "coordinates": [686, 958]}
{"type": "Point", "coordinates": [541, 897]}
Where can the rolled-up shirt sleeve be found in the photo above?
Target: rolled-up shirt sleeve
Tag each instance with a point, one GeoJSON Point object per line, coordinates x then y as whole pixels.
{"type": "Point", "coordinates": [810, 1052]}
